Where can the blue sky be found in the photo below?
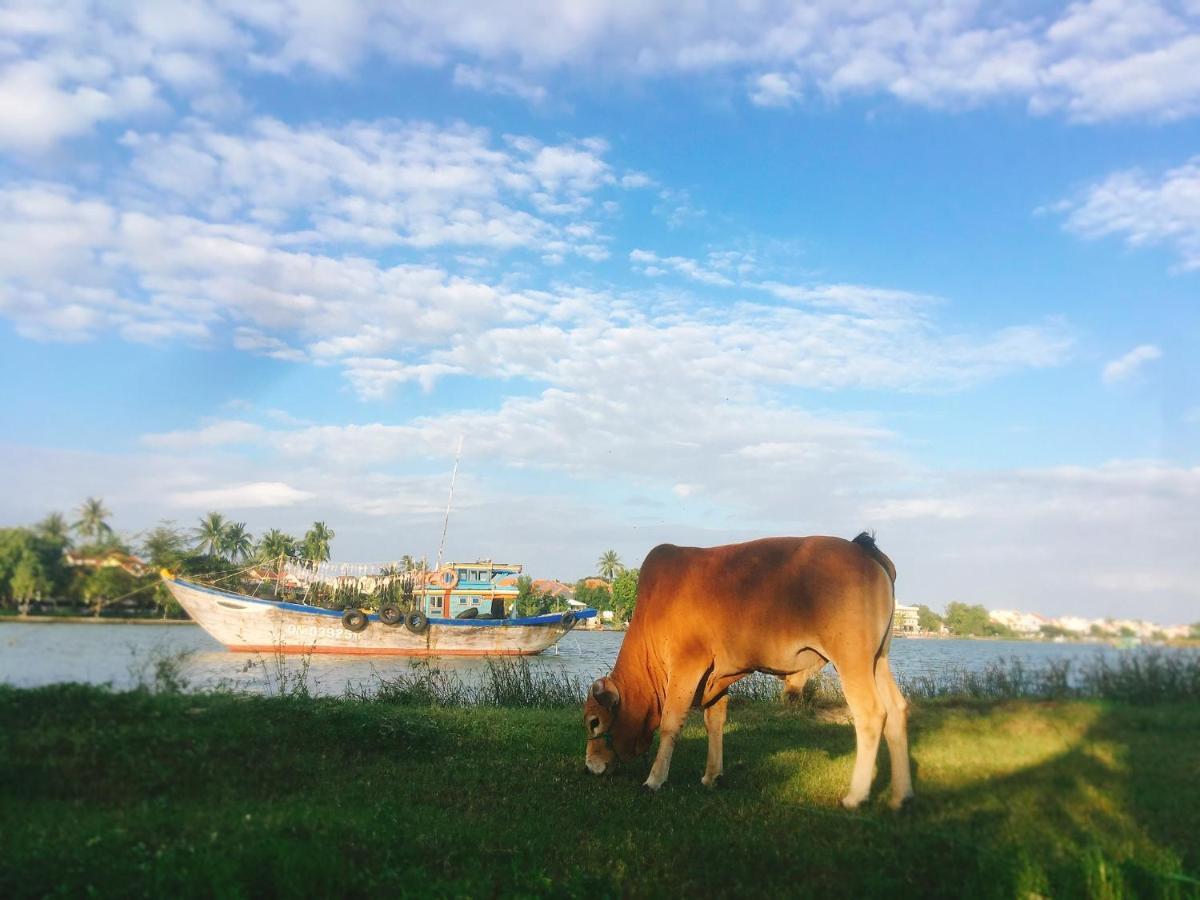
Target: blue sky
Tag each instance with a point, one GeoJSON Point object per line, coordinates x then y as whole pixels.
{"type": "Point", "coordinates": [691, 275]}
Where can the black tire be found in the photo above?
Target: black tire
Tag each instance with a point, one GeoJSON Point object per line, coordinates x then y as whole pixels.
{"type": "Point", "coordinates": [390, 614]}
{"type": "Point", "coordinates": [568, 620]}
{"type": "Point", "coordinates": [354, 620]}
{"type": "Point", "coordinates": [416, 622]}
{"type": "Point", "coordinates": [470, 612]}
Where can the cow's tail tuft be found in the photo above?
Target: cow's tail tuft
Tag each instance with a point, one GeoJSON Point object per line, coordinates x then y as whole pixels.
{"type": "Point", "coordinates": [866, 540]}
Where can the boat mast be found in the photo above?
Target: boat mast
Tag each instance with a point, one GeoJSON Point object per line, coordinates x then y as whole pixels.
{"type": "Point", "coordinates": [449, 503]}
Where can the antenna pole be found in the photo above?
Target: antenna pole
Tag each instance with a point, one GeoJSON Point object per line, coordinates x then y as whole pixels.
{"type": "Point", "coordinates": [449, 503]}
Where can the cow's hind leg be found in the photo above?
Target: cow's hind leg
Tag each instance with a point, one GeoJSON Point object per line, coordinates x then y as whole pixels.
{"type": "Point", "coordinates": [895, 730]}
{"type": "Point", "coordinates": [714, 724]}
{"type": "Point", "coordinates": [858, 684]}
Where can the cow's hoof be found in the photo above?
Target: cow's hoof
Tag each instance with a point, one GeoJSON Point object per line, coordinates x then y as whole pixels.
{"type": "Point", "coordinates": [901, 804]}
{"type": "Point", "coordinates": [648, 788]}
{"type": "Point", "coordinates": [710, 781]}
{"type": "Point", "coordinates": [849, 802]}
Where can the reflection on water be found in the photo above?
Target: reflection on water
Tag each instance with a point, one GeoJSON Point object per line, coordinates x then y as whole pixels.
{"type": "Point", "coordinates": [124, 655]}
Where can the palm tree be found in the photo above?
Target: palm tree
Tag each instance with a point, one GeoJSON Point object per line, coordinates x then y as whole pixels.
{"type": "Point", "coordinates": [276, 544]}
{"type": "Point", "coordinates": [55, 528]}
{"type": "Point", "coordinates": [238, 542]}
{"type": "Point", "coordinates": [210, 536]}
{"type": "Point", "coordinates": [91, 522]}
{"type": "Point", "coordinates": [609, 565]}
{"type": "Point", "coordinates": [316, 543]}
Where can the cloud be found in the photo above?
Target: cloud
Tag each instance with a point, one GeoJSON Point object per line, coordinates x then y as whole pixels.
{"type": "Point", "coordinates": [69, 68]}
{"type": "Point", "coordinates": [251, 495]}
{"type": "Point", "coordinates": [1125, 367]}
{"type": "Point", "coordinates": [485, 82]}
{"type": "Point", "coordinates": [772, 89]}
{"type": "Point", "coordinates": [1146, 209]}
{"type": "Point", "coordinates": [382, 183]}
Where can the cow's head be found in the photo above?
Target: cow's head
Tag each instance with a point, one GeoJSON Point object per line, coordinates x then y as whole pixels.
{"type": "Point", "coordinates": [614, 729]}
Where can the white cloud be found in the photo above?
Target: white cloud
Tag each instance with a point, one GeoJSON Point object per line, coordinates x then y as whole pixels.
{"type": "Point", "coordinates": [73, 65]}
{"type": "Point", "coordinates": [383, 183]}
{"type": "Point", "coordinates": [486, 82]}
{"type": "Point", "coordinates": [1145, 209]}
{"type": "Point", "coordinates": [252, 495]}
{"type": "Point", "coordinates": [772, 89]}
{"type": "Point", "coordinates": [1124, 367]}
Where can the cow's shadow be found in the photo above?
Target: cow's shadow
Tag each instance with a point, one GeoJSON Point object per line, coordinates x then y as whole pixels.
{"type": "Point", "coordinates": [1104, 809]}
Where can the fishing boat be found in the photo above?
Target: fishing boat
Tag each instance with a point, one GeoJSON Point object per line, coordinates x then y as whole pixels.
{"type": "Point", "coordinates": [460, 609]}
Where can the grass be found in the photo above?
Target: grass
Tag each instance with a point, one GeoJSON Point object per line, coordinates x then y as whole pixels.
{"type": "Point", "coordinates": [177, 794]}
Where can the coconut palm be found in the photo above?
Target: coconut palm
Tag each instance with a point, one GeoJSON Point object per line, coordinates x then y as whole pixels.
{"type": "Point", "coordinates": [210, 536]}
{"type": "Point", "coordinates": [55, 528]}
{"type": "Point", "coordinates": [316, 543]}
{"type": "Point", "coordinates": [237, 542]}
{"type": "Point", "coordinates": [609, 565]}
{"type": "Point", "coordinates": [276, 544]}
{"type": "Point", "coordinates": [91, 522]}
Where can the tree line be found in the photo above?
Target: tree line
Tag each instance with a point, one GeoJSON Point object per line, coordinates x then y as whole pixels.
{"type": "Point", "coordinates": [36, 572]}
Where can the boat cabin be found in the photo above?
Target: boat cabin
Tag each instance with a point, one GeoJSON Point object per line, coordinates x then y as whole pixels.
{"type": "Point", "coordinates": [489, 587]}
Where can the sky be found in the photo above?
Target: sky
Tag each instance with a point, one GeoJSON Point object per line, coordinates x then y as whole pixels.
{"type": "Point", "coordinates": [692, 273]}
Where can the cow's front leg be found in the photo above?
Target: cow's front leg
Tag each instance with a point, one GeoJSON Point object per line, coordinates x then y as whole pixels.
{"type": "Point", "coordinates": [680, 694]}
{"type": "Point", "coordinates": [714, 723]}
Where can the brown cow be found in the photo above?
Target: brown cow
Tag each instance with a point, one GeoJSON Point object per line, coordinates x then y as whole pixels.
{"type": "Point", "coordinates": [707, 617]}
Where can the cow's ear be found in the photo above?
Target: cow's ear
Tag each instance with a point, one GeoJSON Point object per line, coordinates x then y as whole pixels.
{"type": "Point", "coordinates": [606, 693]}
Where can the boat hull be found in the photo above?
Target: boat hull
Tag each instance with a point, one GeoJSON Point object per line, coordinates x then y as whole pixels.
{"type": "Point", "coordinates": [248, 624]}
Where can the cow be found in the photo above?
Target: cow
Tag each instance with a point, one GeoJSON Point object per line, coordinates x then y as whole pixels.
{"type": "Point", "coordinates": [707, 617]}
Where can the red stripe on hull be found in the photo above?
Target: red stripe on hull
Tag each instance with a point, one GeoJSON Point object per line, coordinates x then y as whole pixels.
{"type": "Point", "coordinates": [372, 651]}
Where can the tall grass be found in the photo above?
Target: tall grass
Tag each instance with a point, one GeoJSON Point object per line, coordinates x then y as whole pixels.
{"type": "Point", "coordinates": [509, 683]}
{"type": "Point", "coordinates": [1141, 677]}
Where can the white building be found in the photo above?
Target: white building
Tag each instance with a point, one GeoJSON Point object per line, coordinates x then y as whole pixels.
{"type": "Point", "coordinates": [1020, 622]}
{"type": "Point", "coordinates": [906, 619]}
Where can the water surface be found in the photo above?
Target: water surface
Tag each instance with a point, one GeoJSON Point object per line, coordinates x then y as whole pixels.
{"type": "Point", "coordinates": [124, 656]}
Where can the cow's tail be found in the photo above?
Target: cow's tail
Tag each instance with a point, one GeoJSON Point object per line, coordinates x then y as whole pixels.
{"type": "Point", "coordinates": [866, 541]}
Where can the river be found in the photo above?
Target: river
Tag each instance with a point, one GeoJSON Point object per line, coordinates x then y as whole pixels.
{"type": "Point", "coordinates": [124, 656]}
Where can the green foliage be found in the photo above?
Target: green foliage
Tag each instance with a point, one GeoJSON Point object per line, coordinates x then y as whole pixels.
{"type": "Point", "coordinates": [106, 584]}
{"type": "Point", "coordinates": [532, 602]}
{"type": "Point", "coordinates": [210, 535]}
{"type": "Point", "coordinates": [237, 543]}
{"type": "Point", "coordinates": [276, 544]}
{"type": "Point", "coordinates": [973, 621]}
{"type": "Point", "coordinates": [55, 529]}
{"type": "Point", "coordinates": [597, 597]}
{"type": "Point", "coordinates": [166, 547]}
{"type": "Point", "coordinates": [92, 523]}
{"type": "Point", "coordinates": [1195, 631]}
{"type": "Point", "coordinates": [316, 543]}
{"type": "Point", "coordinates": [609, 565]}
{"type": "Point", "coordinates": [927, 619]}
{"type": "Point", "coordinates": [624, 594]}
{"type": "Point", "coordinates": [1055, 631]}
{"type": "Point", "coordinates": [34, 562]}
{"type": "Point", "coordinates": [28, 579]}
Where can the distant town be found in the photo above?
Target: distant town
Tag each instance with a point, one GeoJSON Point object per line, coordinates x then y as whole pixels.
{"type": "Point", "coordinates": [961, 620]}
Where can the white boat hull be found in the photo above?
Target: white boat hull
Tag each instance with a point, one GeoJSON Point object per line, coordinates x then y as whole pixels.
{"type": "Point", "coordinates": [249, 624]}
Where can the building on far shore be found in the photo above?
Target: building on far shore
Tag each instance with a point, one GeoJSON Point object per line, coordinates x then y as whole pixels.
{"type": "Point", "coordinates": [906, 620]}
{"type": "Point", "coordinates": [1020, 622]}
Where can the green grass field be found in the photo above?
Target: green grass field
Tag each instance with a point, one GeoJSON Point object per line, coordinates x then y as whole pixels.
{"type": "Point", "coordinates": [144, 794]}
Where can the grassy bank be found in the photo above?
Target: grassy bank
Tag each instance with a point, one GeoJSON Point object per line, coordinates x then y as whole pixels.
{"type": "Point", "coordinates": [177, 794]}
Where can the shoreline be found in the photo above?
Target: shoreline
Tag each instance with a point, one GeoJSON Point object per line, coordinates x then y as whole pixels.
{"type": "Point", "coordinates": [89, 620]}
